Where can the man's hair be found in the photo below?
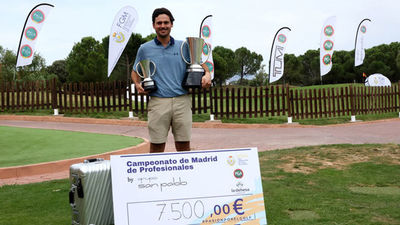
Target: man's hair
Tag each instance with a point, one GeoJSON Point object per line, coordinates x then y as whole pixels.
{"type": "Point", "coordinates": [160, 11]}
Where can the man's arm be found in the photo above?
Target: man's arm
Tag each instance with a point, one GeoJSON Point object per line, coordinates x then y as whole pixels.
{"type": "Point", "coordinates": [136, 79]}
{"type": "Point", "coordinates": [206, 79]}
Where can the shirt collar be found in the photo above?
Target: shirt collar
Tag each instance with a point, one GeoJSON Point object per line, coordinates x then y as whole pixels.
{"type": "Point", "coordinates": [171, 41]}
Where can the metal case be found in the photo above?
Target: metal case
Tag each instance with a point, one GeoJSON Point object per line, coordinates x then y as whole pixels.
{"type": "Point", "coordinates": [91, 195]}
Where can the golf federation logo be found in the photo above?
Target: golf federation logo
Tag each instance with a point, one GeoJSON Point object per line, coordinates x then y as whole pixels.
{"type": "Point", "coordinates": [282, 38]}
{"type": "Point", "coordinates": [206, 31]}
{"type": "Point", "coordinates": [31, 33]}
{"type": "Point", "coordinates": [26, 51]}
{"type": "Point", "coordinates": [327, 59]}
{"type": "Point", "coordinates": [37, 16]}
{"type": "Point", "coordinates": [206, 49]}
{"type": "Point", "coordinates": [231, 161]}
{"type": "Point", "coordinates": [329, 31]}
{"type": "Point", "coordinates": [210, 66]}
{"type": "Point", "coordinates": [118, 37]}
{"type": "Point", "coordinates": [328, 45]}
{"type": "Point", "coordinates": [238, 173]}
{"type": "Point", "coordinates": [363, 29]}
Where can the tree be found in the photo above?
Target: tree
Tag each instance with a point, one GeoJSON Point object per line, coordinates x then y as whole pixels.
{"type": "Point", "coordinates": [261, 78]}
{"type": "Point", "coordinates": [7, 62]}
{"type": "Point", "coordinates": [34, 71]}
{"type": "Point", "coordinates": [293, 72]}
{"type": "Point", "coordinates": [220, 69]}
{"type": "Point", "coordinates": [86, 62]}
{"type": "Point", "coordinates": [59, 69]}
{"type": "Point", "coordinates": [248, 62]}
{"type": "Point", "coordinates": [224, 63]}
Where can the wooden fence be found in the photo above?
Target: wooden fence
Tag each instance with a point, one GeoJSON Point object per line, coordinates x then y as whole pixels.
{"type": "Point", "coordinates": [228, 102]}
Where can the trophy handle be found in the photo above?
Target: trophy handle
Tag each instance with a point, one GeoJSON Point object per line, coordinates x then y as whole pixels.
{"type": "Point", "coordinates": [209, 53]}
{"type": "Point", "coordinates": [155, 67]}
{"type": "Point", "coordinates": [182, 53]}
{"type": "Point", "coordinates": [137, 71]}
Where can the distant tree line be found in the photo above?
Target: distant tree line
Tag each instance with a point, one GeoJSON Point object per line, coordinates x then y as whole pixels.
{"type": "Point", "coordinates": [87, 62]}
{"type": "Point", "coordinates": [304, 70]}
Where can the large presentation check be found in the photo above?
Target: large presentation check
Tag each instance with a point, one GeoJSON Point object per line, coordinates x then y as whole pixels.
{"type": "Point", "coordinates": [198, 187]}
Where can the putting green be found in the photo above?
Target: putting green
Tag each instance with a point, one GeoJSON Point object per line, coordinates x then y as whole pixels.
{"type": "Point", "coordinates": [23, 146]}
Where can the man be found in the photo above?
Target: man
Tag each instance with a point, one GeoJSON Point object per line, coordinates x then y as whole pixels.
{"type": "Point", "coordinates": [169, 106]}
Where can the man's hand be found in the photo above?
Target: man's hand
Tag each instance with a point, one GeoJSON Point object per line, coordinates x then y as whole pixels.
{"type": "Point", "coordinates": [140, 89]}
{"type": "Point", "coordinates": [206, 80]}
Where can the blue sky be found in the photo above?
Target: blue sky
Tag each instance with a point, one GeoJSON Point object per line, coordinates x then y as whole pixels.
{"type": "Point", "coordinates": [250, 23]}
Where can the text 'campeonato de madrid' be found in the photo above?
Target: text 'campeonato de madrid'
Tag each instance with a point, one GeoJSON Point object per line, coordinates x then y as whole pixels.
{"type": "Point", "coordinates": [167, 164]}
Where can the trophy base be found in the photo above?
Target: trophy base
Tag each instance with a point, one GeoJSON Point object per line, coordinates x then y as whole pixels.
{"type": "Point", "coordinates": [149, 85]}
{"type": "Point", "coordinates": [193, 79]}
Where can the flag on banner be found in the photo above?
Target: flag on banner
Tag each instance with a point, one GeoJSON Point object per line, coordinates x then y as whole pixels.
{"type": "Point", "coordinates": [206, 33]}
{"type": "Point", "coordinates": [121, 31]}
{"type": "Point", "coordinates": [33, 25]}
{"type": "Point", "coordinates": [276, 61]}
{"type": "Point", "coordinates": [327, 45]}
{"type": "Point", "coordinates": [359, 46]}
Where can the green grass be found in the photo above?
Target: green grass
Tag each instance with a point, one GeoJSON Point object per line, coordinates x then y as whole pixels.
{"type": "Point", "coordinates": [319, 185]}
{"type": "Point", "coordinates": [22, 146]}
{"type": "Point", "coordinates": [337, 184]}
{"type": "Point", "coordinates": [41, 203]}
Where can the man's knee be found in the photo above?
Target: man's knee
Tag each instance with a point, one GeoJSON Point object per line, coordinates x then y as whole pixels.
{"type": "Point", "coordinates": [157, 147]}
{"type": "Point", "coordinates": [182, 146]}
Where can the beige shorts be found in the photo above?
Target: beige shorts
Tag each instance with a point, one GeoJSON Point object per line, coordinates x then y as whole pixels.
{"type": "Point", "coordinates": [164, 113]}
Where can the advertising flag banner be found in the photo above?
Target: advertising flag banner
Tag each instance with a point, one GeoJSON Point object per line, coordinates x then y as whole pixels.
{"type": "Point", "coordinates": [33, 25]}
{"type": "Point", "coordinates": [277, 65]}
{"type": "Point", "coordinates": [327, 45]}
{"type": "Point", "coordinates": [206, 33]}
{"type": "Point", "coordinates": [198, 187]}
{"type": "Point", "coordinates": [121, 31]}
{"type": "Point", "coordinates": [359, 46]}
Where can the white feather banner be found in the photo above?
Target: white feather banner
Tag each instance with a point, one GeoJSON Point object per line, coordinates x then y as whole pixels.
{"type": "Point", "coordinates": [277, 63]}
{"type": "Point", "coordinates": [206, 32]}
{"type": "Point", "coordinates": [359, 54]}
{"type": "Point", "coordinates": [327, 45]}
{"type": "Point", "coordinates": [121, 31]}
{"type": "Point", "coordinates": [33, 25]}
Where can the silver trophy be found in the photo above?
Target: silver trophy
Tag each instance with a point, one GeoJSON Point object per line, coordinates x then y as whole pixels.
{"type": "Point", "coordinates": [148, 84]}
{"type": "Point", "coordinates": [194, 70]}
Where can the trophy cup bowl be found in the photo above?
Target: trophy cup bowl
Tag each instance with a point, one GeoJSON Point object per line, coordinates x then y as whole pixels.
{"type": "Point", "coordinates": [148, 84]}
{"type": "Point", "coordinates": [194, 70]}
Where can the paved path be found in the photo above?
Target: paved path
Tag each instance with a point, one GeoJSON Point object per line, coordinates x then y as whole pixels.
{"type": "Point", "coordinates": [266, 137]}
{"type": "Point", "coordinates": [221, 136]}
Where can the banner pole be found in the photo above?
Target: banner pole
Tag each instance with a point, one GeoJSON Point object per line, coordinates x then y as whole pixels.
{"type": "Point", "coordinates": [201, 25]}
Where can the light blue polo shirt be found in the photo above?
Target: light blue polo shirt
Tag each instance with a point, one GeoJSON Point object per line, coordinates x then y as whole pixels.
{"type": "Point", "coordinates": [170, 68]}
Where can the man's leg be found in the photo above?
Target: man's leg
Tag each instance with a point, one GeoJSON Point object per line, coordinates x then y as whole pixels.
{"type": "Point", "coordinates": [159, 120]}
{"type": "Point", "coordinates": [157, 147]}
{"type": "Point", "coordinates": [182, 146]}
{"type": "Point", "coordinates": [182, 122]}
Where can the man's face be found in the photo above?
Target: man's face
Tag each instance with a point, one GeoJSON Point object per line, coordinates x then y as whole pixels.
{"type": "Point", "coordinates": [162, 25]}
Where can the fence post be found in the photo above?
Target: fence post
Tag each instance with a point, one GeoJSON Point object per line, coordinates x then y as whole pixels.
{"type": "Point", "coordinates": [289, 101]}
{"type": "Point", "coordinates": [53, 90]}
{"type": "Point", "coordinates": [353, 113]}
{"type": "Point", "coordinates": [398, 102]}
